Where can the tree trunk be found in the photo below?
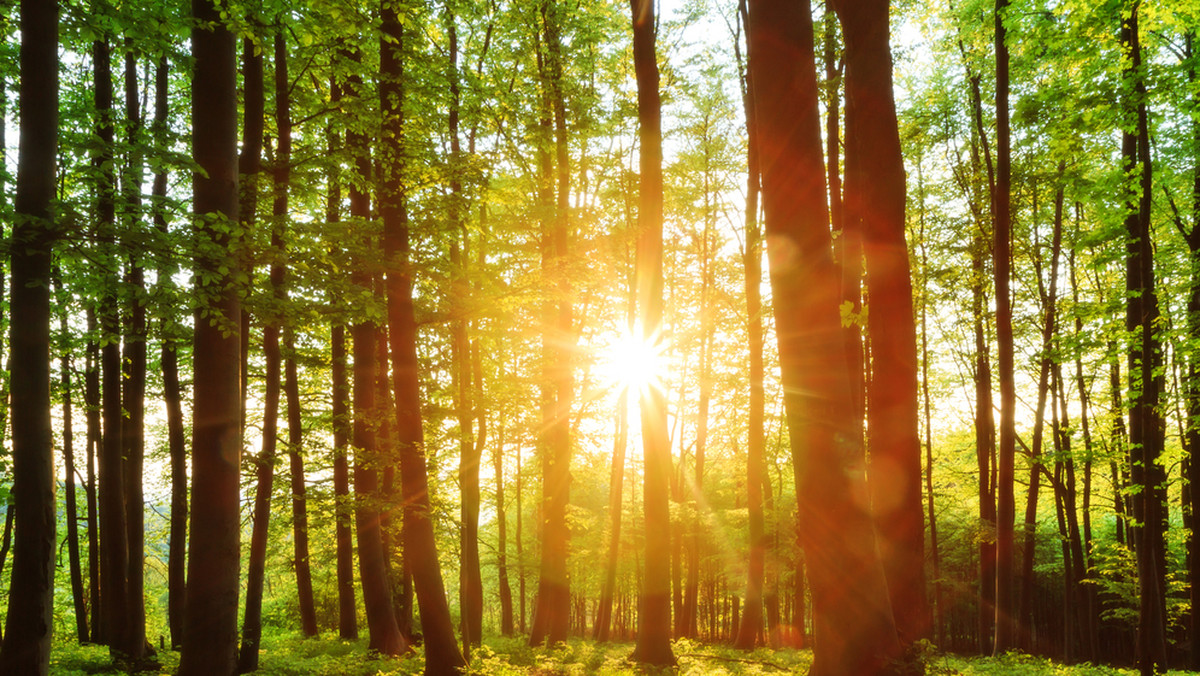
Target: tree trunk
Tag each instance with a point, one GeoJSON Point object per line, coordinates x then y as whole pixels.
{"type": "Point", "coordinates": [420, 549]}
{"type": "Point", "coordinates": [172, 394]}
{"type": "Point", "coordinates": [875, 198]}
{"type": "Point", "coordinates": [604, 621]}
{"type": "Point", "coordinates": [133, 382]}
{"type": "Point", "coordinates": [1146, 429]}
{"type": "Point", "coordinates": [210, 614]}
{"type": "Point", "coordinates": [1006, 628]}
{"type": "Point", "coordinates": [30, 620]}
{"type": "Point", "coordinates": [304, 585]}
{"type": "Point", "coordinates": [91, 395]}
{"type": "Point", "coordinates": [506, 600]}
{"type": "Point", "coordinates": [855, 631]}
{"type": "Point", "coordinates": [69, 472]}
{"type": "Point", "coordinates": [654, 618]}
{"type": "Point", "coordinates": [938, 609]}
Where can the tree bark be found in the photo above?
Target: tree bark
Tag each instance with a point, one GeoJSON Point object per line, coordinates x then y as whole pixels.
{"type": "Point", "coordinates": [855, 632]}
{"type": "Point", "coordinates": [172, 394]}
{"type": "Point", "coordinates": [133, 382]}
{"type": "Point", "coordinates": [420, 548]}
{"type": "Point", "coordinates": [1146, 428]}
{"type": "Point", "coordinates": [875, 198]}
{"type": "Point", "coordinates": [1006, 621]}
{"type": "Point", "coordinates": [30, 620]}
{"type": "Point", "coordinates": [654, 618]}
{"type": "Point", "coordinates": [69, 472]}
{"type": "Point", "coordinates": [210, 614]}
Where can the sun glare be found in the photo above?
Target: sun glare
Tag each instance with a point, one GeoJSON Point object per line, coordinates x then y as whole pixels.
{"type": "Point", "coordinates": [633, 362]}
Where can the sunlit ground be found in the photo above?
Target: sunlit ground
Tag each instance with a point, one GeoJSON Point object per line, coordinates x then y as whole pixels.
{"type": "Point", "coordinates": [290, 655]}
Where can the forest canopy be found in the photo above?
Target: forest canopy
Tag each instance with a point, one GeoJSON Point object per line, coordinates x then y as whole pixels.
{"type": "Point", "coordinates": [863, 327]}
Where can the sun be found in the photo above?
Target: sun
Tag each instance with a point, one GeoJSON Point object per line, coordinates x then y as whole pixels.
{"type": "Point", "coordinates": [633, 362]}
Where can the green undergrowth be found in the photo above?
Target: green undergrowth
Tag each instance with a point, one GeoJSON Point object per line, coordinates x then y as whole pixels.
{"type": "Point", "coordinates": [291, 655]}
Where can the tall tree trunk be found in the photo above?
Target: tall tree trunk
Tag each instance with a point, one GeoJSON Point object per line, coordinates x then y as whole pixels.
{"type": "Point", "coordinates": [506, 600]}
{"type": "Point", "coordinates": [384, 632]}
{"type": "Point", "coordinates": [756, 445]}
{"type": "Point", "coordinates": [1006, 621]}
{"type": "Point", "coordinates": [210, 613]}
{"type": "Point", "coordinates": [172, 394]}
{"type": "Point", "coordinates": [343, 534]}
{"type": "Point", "coordinates": [304, 585]}
{"type": "Point", "coordinates": [938, 609]}
{"type": "Point", "coordinates": [875, 198]}
{"type": "Point", "coordinates": [552, 615]}
{"type": "Point", "coordinates": [30, 620]}
{"type": "Point", "coordinates": [91, 395]}
{"type": "Point", "coordinates": [133, 382]}
{"type": "Point", "coordinates": [1146, 429]}
{"type": "Point", "coordinates": [420, 548]}
{"type": "Point", "coordinates": [854, 625]}
{"type": "Point", "coordinates": [471, 583]}
{"type": "Point", "coordinates": [604, 619]}
{"type": "Point", "coordinates": [114, 554]}
{"type": "Point", "coordinates": [654, 618]}
{"type": "Point", "coordinates": [69, 472]}
{"type": "Point", "coordinates": [265, 463]}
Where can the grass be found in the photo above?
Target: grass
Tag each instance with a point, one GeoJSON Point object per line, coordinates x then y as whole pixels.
{"type": "Point", "coordinates": [291, 655]}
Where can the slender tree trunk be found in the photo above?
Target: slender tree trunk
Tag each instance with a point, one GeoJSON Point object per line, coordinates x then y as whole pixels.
{"type": "Point", "coordinates": [304, 585]}
{"type": "Point", "coordinates": [854, 626]}
{"type": "Point", "coordinates": [114, 554]}
{"type": "Point", "coordinates": [876, 200]}
{"type": "Point", "coordinates": [654, 618]}
{"type": "Point", "coordinates": [420, 549]}
{"type": "Point", "coordinates": [1006, 622]}
{"type": "Point", "coordinates": [938, 609]}
{"type": "Point", "coordinates": [604, 621]}
{"type": "Point", "coordinates": [210, 613]}
{"type": "Point", "coordinates": [552, 615]}
{"type": "Point", "coordinates": [172, 394]}
{"type": "Point", "coordinates": [69, 472]}
{"type": "Point", "coordinates": [506, 600]}
{"type": "Point", "coordinates": [133, 389]}
{"type": "Point", "coordinates": [1146, 429]}
{"type": "Point", "coordinates": [92, 399]}
{"type": "Point", "coordinates": [343, 535]}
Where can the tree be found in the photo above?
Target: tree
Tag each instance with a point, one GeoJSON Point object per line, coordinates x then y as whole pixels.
{"type": "Point", "coordinates": [210, 614]}
{"type": "Point", "coordinates": [1006, 619]}
{"type": "Point", "coordinates": [854, 629]}
{"type": "Point", "coordinates": [875, 196]}
{"type": "Point", "coordinates": [30, 619]}
{"type": "Point", "coordinates": [442, 655]}
{"type": "Point", "coordinates": [654, 618]}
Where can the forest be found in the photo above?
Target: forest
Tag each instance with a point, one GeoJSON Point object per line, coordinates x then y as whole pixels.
{"type": "Point", "coordinates": [399, 337]}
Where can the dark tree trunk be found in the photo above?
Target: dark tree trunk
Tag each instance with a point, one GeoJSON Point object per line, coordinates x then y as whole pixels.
{"type": "Point", "coordinates": [855, 632]}
{"type": "Point", "coordinates": [1146, 428]}
{"type": "Point", "coordinates": [304, 585]}
{"type": "Point", "coordinates": [876, 199]}
{"type": "Point", "coordinates": [172, 394]}
{"type": "Point", "coordinates": [654, 618]}
{"type": "Point", "coordinates": [91, 395]}
{"type": "Point", "coordinates": [552, 614]}
{"type": "Point", "coordinates": [114, 552]}
{"type": "Point", "coordinates": [604, 618]}
{"type": "Point", "coordinates": [420, 548]}
{"type": "Point", "coordinates": [506, 600]}
{"type": "Point", "coordinates": [68, 442]}
{"type": "Point", "coordinates": [210, 639]}
{"type": "Point", "coordinates": [343, 533]}
{"type": "Point", "coordinates": [384, 632]}
{"type": "Point", "coordinates": [30, 620]}
{"type": "Point", "coordinates": [249, 167]}
{"type": "Point", "coordinates": [1006, 628]}
{"type": "Point", "coordinates": [133, 382]}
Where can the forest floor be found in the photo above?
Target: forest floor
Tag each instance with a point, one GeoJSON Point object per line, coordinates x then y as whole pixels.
{"type": "Point", "coordinates": [294, 656]}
